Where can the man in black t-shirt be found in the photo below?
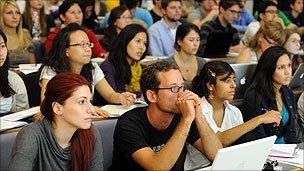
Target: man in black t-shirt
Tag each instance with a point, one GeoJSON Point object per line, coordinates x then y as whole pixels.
{"type": "Point", "coordinates": [153, 137]}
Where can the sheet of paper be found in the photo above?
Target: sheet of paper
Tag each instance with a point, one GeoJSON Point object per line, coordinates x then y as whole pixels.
{"type": "Point", "coordinates": [118, 110]}
{"type": "Point", "coordinates": [5, 125]}
{"type": "Point", "coordinates": [283, 150]}
{"type": "Point", "coordinates": [28, 68]}
{"type": "Point", "coordinates": [22, 114]}
{"type": "Point", "coordinates": [297, 161]}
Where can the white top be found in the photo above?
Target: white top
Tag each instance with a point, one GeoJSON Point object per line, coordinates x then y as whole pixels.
{"type": "Point", "coordinates": [250, 32]}
{"type": "Point", "coordinates": [232, 117]}
{"type": "Point", "coordinates": [48, 73]}
{"type": "Point", "coordinates": [19, 100]}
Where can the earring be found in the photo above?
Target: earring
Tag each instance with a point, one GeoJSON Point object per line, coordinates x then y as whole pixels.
{"type": "Point", "coordinates": [210, 96]}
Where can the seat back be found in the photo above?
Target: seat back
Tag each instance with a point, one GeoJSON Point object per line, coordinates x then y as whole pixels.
{"type": "Point", "coordinates": [106, 130]}
{"type": "Point", "coordinates": [6, 146]}
{"type": "Point", "coordinates": [33, 89]}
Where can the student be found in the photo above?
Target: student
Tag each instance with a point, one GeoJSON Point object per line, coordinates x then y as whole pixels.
{"type": "Point", "coordinates": [36, 21]}
{"type": "Point", "coordinates": [206, 11]}
{"type": "Point", "coordinates": [13, 95]}
{"type": "Point", "coordinates": [19, 41]}
{"type": "Point", "coordinates": [123, 70]}
{"type": "Point", "coordinates": [70, 12]}
{"type": "Point", "coordinates": [269, 91]}
{"type": "Point", "coordinates": [90, 20]}
{"type": "Point", "coordinates": [244, 19]}
{"type": "Point", "coordinates": [271, 33]}
{"type": "Point", "coordinates": [65, 139]}
{"type": "Point", "coordinates": [153, 137]}
{"type": "Point", "coordinates": [156, 11]}
{"type": "Point", "coordinates": [186, 44]}
{"type": "Point", "coordinates": [119, 18]}
{"type": "Point", "coordinates": [72, 52]}
{"type": "Point", "coordinates": [162, 33]}
{"type": "Point", "coordinates": [229, 11]}
{"type": "Point", "coordinates": [216, 86]}
{"type": "Point", "coordinates": [293, 47]}
{"type": "Point", "coordinates": [295, 14]}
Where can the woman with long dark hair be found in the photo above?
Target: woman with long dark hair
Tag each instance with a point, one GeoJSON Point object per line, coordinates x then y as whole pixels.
{"type": "Point", "coordinates": [13, 95]}
{"type": "Point", "coordinates": [72, 52]}
{"type": "Point", "coordinates": [122, 69]}
{"type": "Point", "coordinates": [65, 139]}
{"type": "Point", "coordinates": [269, 91]}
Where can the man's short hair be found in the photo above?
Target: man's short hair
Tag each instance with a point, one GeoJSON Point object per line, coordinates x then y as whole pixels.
{"type": "Point", "coordinates": [165, 3]}
{"type": "Point", "coordinates": [225, 4]}
{"type": "Point", "coordinates": [149, 78]}
{"type": "Point", "coordinates": [264, 5]}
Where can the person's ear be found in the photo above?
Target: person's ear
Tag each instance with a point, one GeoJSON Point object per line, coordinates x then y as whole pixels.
{"type": "Point", "coordinates": [210, 86]}
{"type": "Point", "coordinates": [151, 96]}
{"type": "Point", "coordinates": [262, 16]}
{"type": "Point", "coordinates": [57, 108]}
{"type": "Point", "coordinates": [222, 10]}
{"type": "Point", "coordinates": [179, 42]}
{"type": "Point", "coordinates": [62, 17]}
{"type": "Point", "coordinates": [67, 53]}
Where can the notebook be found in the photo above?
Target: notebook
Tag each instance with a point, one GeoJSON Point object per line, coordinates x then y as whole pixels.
{"type": "Point", "coordinates": [243, 75]}
{"type": "Point", "coordinates": [218, 44]}
{"type": "Point", "coordinates": [297, 78]}
{"type": "Point", "coordinates": [248, 156]}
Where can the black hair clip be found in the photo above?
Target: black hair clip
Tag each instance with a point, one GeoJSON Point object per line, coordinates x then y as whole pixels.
{"type": "Point", "coordinates": [270, 165]}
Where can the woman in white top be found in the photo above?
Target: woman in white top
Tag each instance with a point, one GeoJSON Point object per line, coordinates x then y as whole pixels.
{"type": "Point", "coordinates": [71, 52]}
{"type": "Point", "coordinates": [215, 84]}
{"type": "Point", "coordinates": [13, 95]}
{"type": "Point", "coordinates": [270, 34]}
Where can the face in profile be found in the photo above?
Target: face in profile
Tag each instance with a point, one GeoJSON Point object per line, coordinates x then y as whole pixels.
{"type": "Point", "coordinates": [79, 51]}
{"type": "Point", "coordinates": [137, 46]}
{"type": "Point", "coordinates": [77, 110]}
{"type": "Point", "coordinates": [11, 16]}
{"type": "Point", "coordinates": [190, 43]}
{"type": "Point", "coordinates": [3, 51]}
{"type": "Point", "coordinates": [224, 89]}
{"type": "Point", "coordinates": [36, 4]}
{"type": "Point", "coordinates": [283, 71]}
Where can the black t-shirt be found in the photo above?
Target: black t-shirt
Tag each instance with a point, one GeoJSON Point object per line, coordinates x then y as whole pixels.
{"type": "Point", "coordinates": [155, 16]}
{"type": "Point", "coordinates": [133, 131]}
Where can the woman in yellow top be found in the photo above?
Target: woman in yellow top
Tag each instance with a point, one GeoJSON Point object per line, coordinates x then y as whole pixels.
{"type": "Point", "coordinates": [122, 70]}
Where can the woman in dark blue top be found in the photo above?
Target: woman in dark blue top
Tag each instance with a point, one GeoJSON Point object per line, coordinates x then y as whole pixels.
{"type": "Point", "coordinates": [269, 91]}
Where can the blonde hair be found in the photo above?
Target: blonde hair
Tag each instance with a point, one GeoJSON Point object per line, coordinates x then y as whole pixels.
{"type": "Point", "coordinates": [271, 30]}
{"type": "Point", "coordinates": [24, 39]}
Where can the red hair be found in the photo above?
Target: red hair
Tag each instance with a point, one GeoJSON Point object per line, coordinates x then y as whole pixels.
{"type": "Point", "coordinates": [59, 89]}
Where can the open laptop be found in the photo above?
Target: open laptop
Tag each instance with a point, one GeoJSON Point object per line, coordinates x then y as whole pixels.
{"type": "Point", "coordinates": [297, 80]}
{"type": "Point", "coordinates": [243, 75]}
{"type": "Point", "coordinates": [218, 44]}
{"type": "Point", "coordinates": [248, 156]}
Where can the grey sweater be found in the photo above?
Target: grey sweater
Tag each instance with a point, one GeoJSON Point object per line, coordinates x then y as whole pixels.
{"type": "Point", "coordinates": [35, 148]}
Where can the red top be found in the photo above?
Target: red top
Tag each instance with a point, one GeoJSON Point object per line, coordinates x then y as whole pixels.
{"type": "Point", "coordinates": [97, 50]}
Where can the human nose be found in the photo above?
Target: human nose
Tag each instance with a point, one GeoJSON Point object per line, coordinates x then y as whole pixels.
{"type": "Point", "coordinates": [90, 108]}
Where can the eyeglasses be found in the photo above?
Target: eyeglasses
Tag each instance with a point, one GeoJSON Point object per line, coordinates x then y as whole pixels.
{"type": "Point", "coordinates": [125, 18]}
{"type": "Point", "coordinates": [83, 44]}
{"type": "Point", "coordinates": [268, 41]}
{"type": "Point", "coordinates": [174, 89]}
{"type": "Point", "coordinates": [295, 40]}
{"type": "Point", "coordinates": [238, 13]}
{"type": "Point", "coordinates": [272, 11]}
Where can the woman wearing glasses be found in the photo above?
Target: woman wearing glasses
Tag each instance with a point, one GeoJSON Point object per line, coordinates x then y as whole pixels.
{"type": "Point", "coordinates": [269, 91]}
{"type": "Point", "coordinates": [270, 34]}
{"type": "Point", "coordinates": [65, 139]}
{"type": "Point", "coordinates": [72, 52]}
{"type": "Point", "coordinates": [119, 18]}
{"type": "Point", "coordinates": [215, 84]}
{"type": "Point", "coordinates": [70, 12]}
{"type": "Point", "coordinates": [293, 47]}
{"type": "Point", "coordinates": [123, 70]}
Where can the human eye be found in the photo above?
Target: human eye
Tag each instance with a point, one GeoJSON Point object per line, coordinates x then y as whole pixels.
{"type": "Point", "coordinates": [2, 45]}
{"type": "Point", "coordinates": [81, 102]}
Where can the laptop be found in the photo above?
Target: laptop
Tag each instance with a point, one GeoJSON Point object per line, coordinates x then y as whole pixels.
{"type": "Point", "coordinates": [297, 80]}
{"type": "Point", "coordinates": [248, 156]}
{"type": "Point", "coordinates": [218, 44]}
{"type": "Point", "coordinates": [243, 75]}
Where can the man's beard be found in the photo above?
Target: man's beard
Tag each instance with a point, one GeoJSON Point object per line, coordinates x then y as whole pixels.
{"type": "Point", "coordinates": [168, 110]}
{"type": "Point", "coordinates": [171, 19]}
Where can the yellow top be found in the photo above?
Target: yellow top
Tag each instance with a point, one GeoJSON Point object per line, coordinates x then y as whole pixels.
{"type": "Point", "coordinates": [136, 71]}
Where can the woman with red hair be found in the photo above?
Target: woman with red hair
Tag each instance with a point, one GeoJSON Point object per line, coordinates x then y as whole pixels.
{"type": "Point", "coordinates": [65, 139]}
